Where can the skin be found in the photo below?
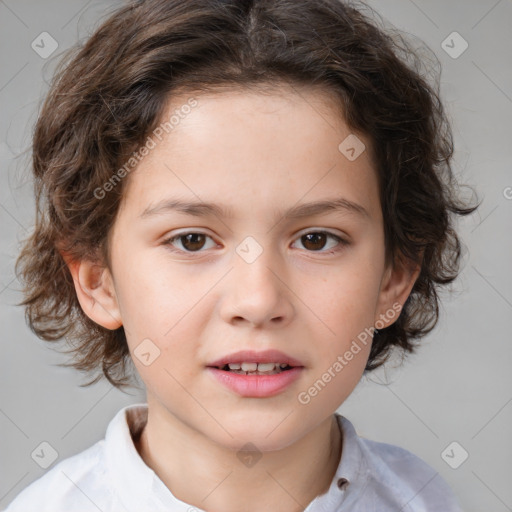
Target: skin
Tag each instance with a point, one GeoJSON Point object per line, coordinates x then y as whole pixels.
{"type": "Point", "coordinates": [259, 154]}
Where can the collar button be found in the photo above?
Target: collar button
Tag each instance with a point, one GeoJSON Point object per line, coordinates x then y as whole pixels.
{"type": "Point", "coordinates": [342, 483]}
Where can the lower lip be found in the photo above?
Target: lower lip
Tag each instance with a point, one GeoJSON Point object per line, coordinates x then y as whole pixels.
{"type": "Point", "coordinates": [257, 386]}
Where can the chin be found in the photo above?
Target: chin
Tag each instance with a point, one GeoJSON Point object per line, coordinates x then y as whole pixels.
{"type": "Point", "coordinates": [267, 435]}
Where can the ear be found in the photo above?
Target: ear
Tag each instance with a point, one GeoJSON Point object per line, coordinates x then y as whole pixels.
{"type": "Point", "coordinates": [396, 286]}
{"type": "Point", "coordinates": [94, 288]}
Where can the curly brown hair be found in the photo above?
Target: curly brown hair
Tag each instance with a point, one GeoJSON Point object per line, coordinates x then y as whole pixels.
{"type": "Point", "coordinates": [108, 94]}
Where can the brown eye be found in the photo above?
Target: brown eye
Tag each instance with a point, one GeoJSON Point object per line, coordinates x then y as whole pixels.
{"type": "Point", "coordinates": [314, 241]}
{"type": "Point", "coordinates": [317, 241]}
{"type": "Point", "coordinates": [193, 241]}
{"type": "Point", "coordinates": [190, 242]}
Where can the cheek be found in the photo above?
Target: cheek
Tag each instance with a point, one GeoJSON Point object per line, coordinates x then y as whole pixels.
{"type": "Point", "coordinates": [344, 297]}
{"type": "Point", "coordinates": [158, 319]}
{"type": "Point", "coordinates": [162, 325]}
{"type": "Point", "coordinates": [152, 299]}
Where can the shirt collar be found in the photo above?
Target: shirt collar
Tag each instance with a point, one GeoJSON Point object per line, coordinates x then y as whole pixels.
{"type": "Point", "coordinates": [130, 476]}
{"type": "Point", "coordinates": [351, 475]}
{"type": "Point", "coordinates": [137, 486]}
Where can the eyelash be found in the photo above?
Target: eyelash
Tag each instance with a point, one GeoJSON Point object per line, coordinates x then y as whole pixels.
{"type": "Point", "coordinates": [341, 242]}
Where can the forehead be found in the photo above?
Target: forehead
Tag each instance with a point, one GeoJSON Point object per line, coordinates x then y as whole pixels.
{"type": "Point", "coordinates": [238, 143]}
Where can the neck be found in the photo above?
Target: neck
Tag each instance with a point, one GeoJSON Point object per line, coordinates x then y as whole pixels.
{"type": "Point", "coordinates": [210, 477]}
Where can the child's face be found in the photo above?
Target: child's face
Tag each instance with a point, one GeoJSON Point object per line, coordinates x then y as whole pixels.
{"type": "Point", "coordinates": [309, 297]}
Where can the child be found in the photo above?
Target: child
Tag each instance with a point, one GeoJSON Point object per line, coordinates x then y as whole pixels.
{"type": "Point", "coordinates": [251, 201]}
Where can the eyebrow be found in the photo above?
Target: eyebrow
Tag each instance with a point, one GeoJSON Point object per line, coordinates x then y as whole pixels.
{"type": "Point", "coordinates": [205, 209]}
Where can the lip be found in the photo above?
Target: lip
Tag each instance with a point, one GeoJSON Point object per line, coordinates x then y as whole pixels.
{"type": "Point", "coordinates": [252, 356]}
{"type": "Point", "coordinates": [257, 386]}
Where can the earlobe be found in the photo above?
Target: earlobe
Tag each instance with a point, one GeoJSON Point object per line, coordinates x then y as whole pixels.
{"type": "Point", "coordinates": [95, 291]}
{"type": "Point", "coordinates": [396, 287]}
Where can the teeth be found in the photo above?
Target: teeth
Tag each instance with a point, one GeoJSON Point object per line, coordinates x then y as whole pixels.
{"type": "Point", "coordinates": [266, 367]}
{"type": "Point", "coordinates": [260, 367]}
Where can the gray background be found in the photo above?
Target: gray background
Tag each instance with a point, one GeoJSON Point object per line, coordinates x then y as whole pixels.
{"type": "Point", "coordinates": [457, 388]}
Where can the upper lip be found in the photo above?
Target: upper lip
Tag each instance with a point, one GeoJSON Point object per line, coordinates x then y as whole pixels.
{"type": "Point", "coordinates": [251, 356]}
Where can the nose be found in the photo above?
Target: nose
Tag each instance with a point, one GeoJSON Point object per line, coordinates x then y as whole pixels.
{"type": "Point", "coordinates": [257, 293]}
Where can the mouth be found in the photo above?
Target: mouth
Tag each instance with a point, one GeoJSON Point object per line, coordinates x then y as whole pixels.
{"type": "Point", "coordinates": [256, 374]}
{"type": "Point", "coordinates": [246, 368]}
{"type": "Point", "coordinates": [250, 362]}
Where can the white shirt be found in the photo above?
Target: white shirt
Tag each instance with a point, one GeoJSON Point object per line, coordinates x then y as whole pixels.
{"type": "Point", "coordinates": [110, 476]}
